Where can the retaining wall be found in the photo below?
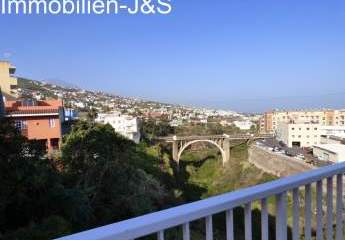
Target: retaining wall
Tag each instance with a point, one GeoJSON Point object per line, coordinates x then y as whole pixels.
{"type": "Point", "coordinates": [275, 164]}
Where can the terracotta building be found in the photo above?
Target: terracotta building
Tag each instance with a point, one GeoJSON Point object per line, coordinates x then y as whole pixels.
{"type": "Point", "coordinates": [38, 120]}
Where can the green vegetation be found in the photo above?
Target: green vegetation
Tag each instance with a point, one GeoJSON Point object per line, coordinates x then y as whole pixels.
{"type": "Point", "coordinates": [96, 181]}
{"type": "Point", "coordinates": [210, 174]}
{"type": "Point", "coordinates": [100, 178]}
{"type": "Point", "coordinates": [151, 129]}
{"type": "Point", "coordinates": [206, 129]}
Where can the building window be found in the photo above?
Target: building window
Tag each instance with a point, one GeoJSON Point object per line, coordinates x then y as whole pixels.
{"type": "Point", "coordinates": [51, 123]}
{"type": "Point", "coordinates": [308, 129]}
{"type": "Point", "coordinates": [21, 124]}
{"type": "Point", "coordinates": [315, 129]}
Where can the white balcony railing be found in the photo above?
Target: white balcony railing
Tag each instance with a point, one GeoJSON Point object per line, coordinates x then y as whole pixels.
{"type": "Point", "coordinates": [323, 178]}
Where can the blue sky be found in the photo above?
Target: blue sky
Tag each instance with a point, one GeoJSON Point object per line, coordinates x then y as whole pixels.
{"type": "Point", "coordinates": [246, 55]}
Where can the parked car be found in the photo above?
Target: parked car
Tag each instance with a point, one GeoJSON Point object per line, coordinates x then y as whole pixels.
{"type": "Point", "coordinates": [290, 153]}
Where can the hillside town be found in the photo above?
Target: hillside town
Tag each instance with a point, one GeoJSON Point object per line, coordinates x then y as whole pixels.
{"type": "Point", "coordinates": [84, 100]}
{"type": "Point", "coordinates": [123, 113]}
{"type": "Point", "coordinates": [172, 120]}
{"type": "Point", "coordinates": [39, 110]}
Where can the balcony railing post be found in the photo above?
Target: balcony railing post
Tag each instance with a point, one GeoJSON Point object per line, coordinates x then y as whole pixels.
{"type": "Point", "coordinates": [186, 231]}
{"type": "Point", "coordinates": [264, 220]}
{"type": "Point", "coordinates": [160, 235]}
{"type": "Point", "coordinates": [248, 221]}
{"type": "Point", "coordinates": [339, 212]}
{"type": "Point", "coordinates": [329, 228]}
{"type": "Point", "coordinates": [295, 214]}
{"type": "Point", "coordinates": [209, 228]}
{"type": "Point", "coordinates": [319, 215]}
{"type": "Point", "coordinates": [307, 212]}
{"type": "Point", "coordinates": [229, 225]}
{"type": "Point", "coordinates": [281, 218]}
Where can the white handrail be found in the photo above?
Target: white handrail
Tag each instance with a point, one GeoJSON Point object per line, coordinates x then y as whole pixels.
{"type": "Point", "coordinates": [159, 221]}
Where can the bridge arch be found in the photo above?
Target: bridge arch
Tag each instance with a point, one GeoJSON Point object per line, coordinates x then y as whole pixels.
{"type": "Point", "coordinates": [202, 140]}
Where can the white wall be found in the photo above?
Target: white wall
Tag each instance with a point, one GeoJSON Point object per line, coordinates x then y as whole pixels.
{"type": "Point", "coordinates": [243, 125]}
{"type": "Point", "coordinates": [324, 155]}
{"type": "Point", "coordinates": [125, 125]}
{"type": "Point", "coordinates": [330, 152]}
{"type": "Point", "coordinates": [306, 134]}
{"type": "Point", "coordinates": [338, 131]}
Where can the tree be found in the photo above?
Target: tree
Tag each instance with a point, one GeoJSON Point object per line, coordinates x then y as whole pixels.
{"type": "Point", "coordinates": [92, 114]}
{"type": "Point", "coordinates": [100, 162]}
{"type": "Point", "coordinates": [30, 185]}
{"type": "Point", "coordinates": [102, 179]}
{"type": "Point", "coordinates": [151, 129]}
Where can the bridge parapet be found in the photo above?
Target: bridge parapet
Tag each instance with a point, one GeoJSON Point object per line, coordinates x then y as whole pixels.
{"type": "Point", "coordinates": [208, 137]}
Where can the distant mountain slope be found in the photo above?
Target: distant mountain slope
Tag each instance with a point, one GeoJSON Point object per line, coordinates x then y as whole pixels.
{"type": "Point", "coordinates": [25, 83]}
{"type": "Point", "coordinates": [60, 83]}
{"type": "Point", "coordinates": [28, 86]}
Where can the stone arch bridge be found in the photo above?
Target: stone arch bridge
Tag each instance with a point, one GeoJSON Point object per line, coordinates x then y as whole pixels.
{"type": "Point", "coordinates": [222, 142]}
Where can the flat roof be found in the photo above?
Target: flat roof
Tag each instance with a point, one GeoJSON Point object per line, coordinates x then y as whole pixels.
{"type": "Point", "coordinates": [333, 137]}
{"type": "Point", "coordinates": [332, 147]}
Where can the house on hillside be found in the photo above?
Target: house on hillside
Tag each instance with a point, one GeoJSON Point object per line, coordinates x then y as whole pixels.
{"type": "Point", "coordinates": [38, 120]}
{"type": "Point", "coordinates": [125, 125]}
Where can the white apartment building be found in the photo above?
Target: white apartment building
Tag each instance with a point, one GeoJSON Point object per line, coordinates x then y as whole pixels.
{"type": "Point", "coordinates": [298, 134]}
{"type": "Point", "coordinates": [270, 121]}
{"type": "Point", "coordinates": [306, 134]}
{"type": "Point", "coordinates": [125, 125]}
{"type": "Point", "coordinates": [243, 125]}
{"type": "Point", "coordinates": [338, 131]}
